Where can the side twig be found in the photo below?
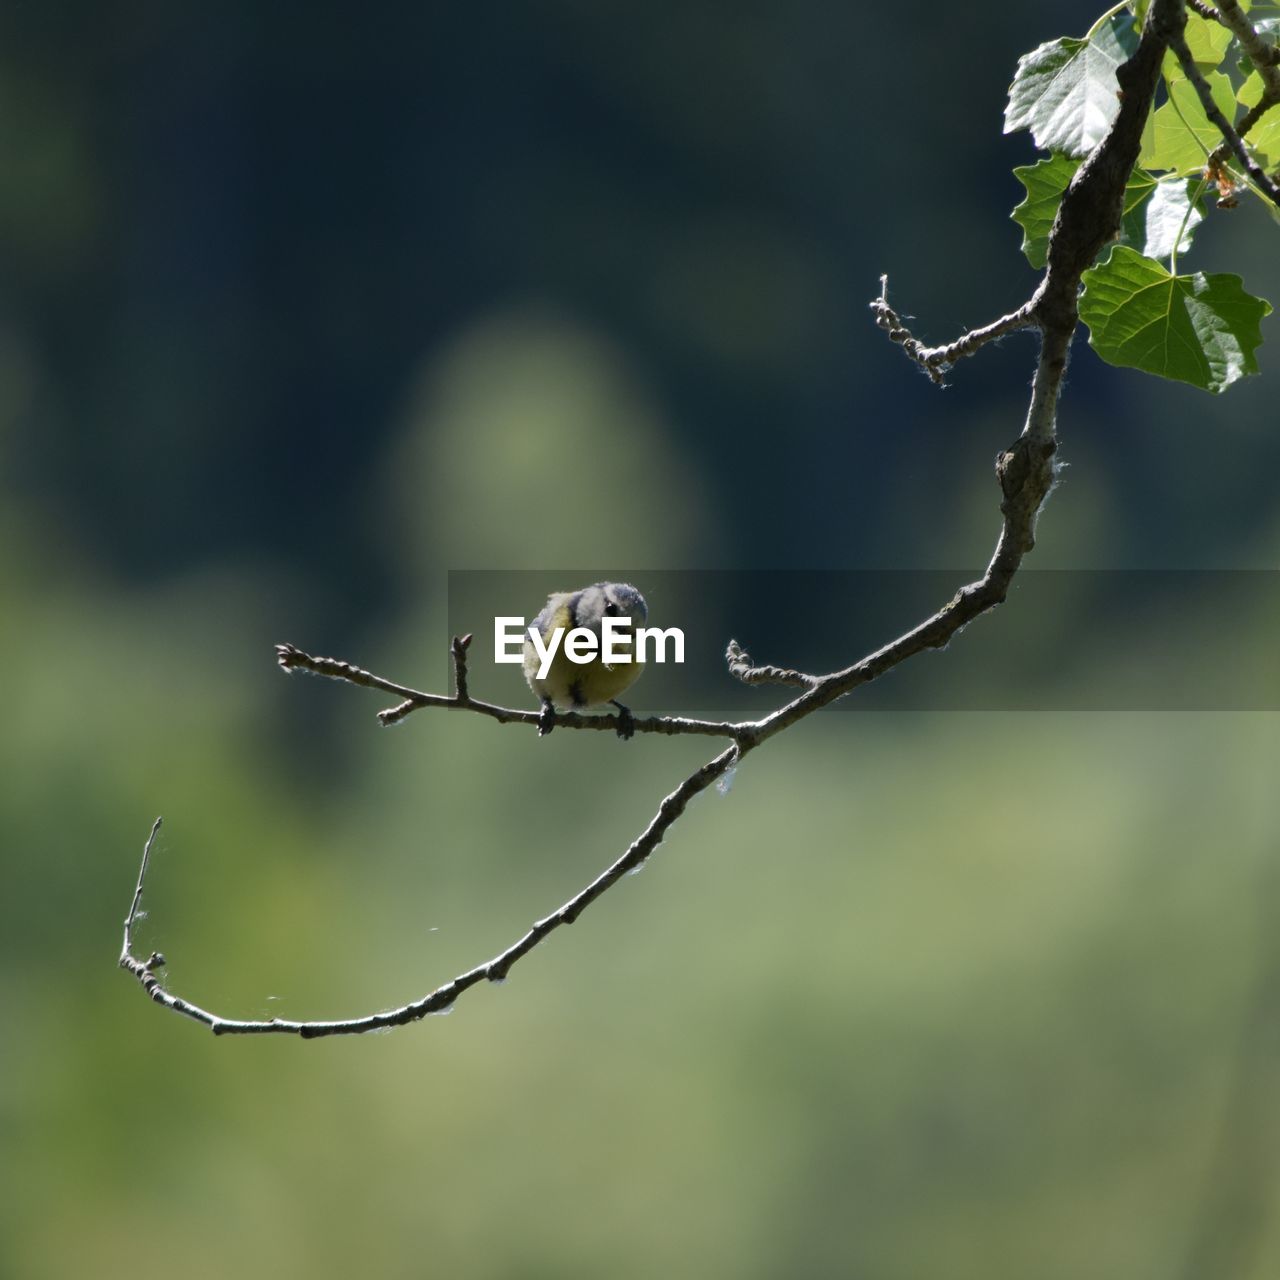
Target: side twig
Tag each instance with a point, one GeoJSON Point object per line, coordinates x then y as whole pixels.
{"type": "Point", "coordinates": [935, 361]}
{"type": "Point", "coordinates": [143, 970]}
{"type": "Point", "coordinates": [741, 668]}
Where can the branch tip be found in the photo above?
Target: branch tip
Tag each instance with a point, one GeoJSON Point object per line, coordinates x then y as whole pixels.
{"type": "Point", "coordinates": [741, 668]}
{"type": "Point", "coordinates": [289, 656]}
{"type": "Point", "coordinates": [393, 715]}
{"type": "Point", "coordinates": [936, 361]}
{"type": "Point", "coordinates": [126, 951]}
{"type": "Point", "coordinates": [459, 649]}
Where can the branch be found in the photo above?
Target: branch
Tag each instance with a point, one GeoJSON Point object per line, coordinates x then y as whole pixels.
{"type": "Point", "coordinates": [740, 668]}
{"type": "Point", "coordinates": [1265, 58]}
{"type": "Point", "coordinates": [1088, 216]}
{"type": "Point", "coordinates": [1231, 139]}
{"type": "Point", "coordinates": [143, 970]}
{"type": "Point", "coordinates": [442, 998]}
{"type": "Point", "coordinates": [1264, 55]}
{"type": "Point", "coordinates": [291, 658]}
{"type": "Point", "coordinates": [935, 361]}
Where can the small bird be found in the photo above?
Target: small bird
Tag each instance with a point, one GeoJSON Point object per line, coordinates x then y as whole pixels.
{"type": "Point", "coordinates": [575, 685]}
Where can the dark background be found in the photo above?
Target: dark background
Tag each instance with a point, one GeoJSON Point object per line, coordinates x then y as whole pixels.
{"type": "Point", "coordinates": [303, 306]}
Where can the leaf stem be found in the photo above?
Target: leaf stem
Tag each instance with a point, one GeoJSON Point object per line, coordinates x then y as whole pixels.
{"type": "Point", "coordinates": [1182, 229]}
{"type": "Point", "coordinates": [1104, 19]}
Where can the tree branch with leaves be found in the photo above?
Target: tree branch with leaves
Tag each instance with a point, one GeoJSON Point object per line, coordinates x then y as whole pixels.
{"type": "Point", "coordinates": [1120, 191]}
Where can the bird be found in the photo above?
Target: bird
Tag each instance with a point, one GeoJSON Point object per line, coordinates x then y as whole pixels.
{"type": "Point", "coordinates": [575, 685]}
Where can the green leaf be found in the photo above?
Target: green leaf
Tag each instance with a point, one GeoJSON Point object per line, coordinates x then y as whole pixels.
{"type": "Point", "coordinates": [1159, 215]}
{"type": "Point", "coordinates": [1264, 137]}
{"type": "Point", "coordinates": [1065, 91]}
{"type": "Point", "coordinates": [1201, 329]}
{"type": "Point", "coordinates": [1155, 210]}
{"type": "Point", "coordinates": [1179, 136]}
{"type": "Point", "coordinates": [1045, 182]}
{"type": "Point", "coordinates": [1208, 41]}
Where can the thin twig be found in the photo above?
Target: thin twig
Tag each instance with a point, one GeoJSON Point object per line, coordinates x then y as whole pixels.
{"type": "Point", "coordinates": [442, 998]}
{"type": "Point", "coordinates": [291, 658]}
{"type": "Point", "coordinates": [741, 668]}
{"type": "Point", "coordinates": [1088, 216]}
{"type": "Point", "coordinates": [1231, 138]}
{"type": "Point", "coordinates": [1244, 125]}
{"type": "Point", "coordinates": [143, 970]}
{"type": "Point", "coordinates": [935, 361]}
{"type": "Point", "coordinates": [458, 649]}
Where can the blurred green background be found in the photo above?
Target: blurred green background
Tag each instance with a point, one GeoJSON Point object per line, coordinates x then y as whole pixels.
{"type": "Point", "coordinates": [302, 306]}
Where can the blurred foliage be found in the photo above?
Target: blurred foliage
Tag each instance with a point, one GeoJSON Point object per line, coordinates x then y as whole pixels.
{"type": "Point", "coordinates": [303, 307]}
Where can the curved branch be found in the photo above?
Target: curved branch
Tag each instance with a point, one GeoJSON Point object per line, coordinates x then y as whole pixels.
{"type": "Point", "coordinates": [1088, 216]}
{"type": "Point", "coordinates": [441, 999]}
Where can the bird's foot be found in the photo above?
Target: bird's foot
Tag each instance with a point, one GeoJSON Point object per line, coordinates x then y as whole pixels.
{"type": "Point", "coordinates": [547, 720]}
{"type": "Point", "coordinates": [626, 721]}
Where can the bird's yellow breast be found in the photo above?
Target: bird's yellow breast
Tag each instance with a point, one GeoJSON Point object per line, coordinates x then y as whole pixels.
{"type": "Point", "coordinates": [575, 684]}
